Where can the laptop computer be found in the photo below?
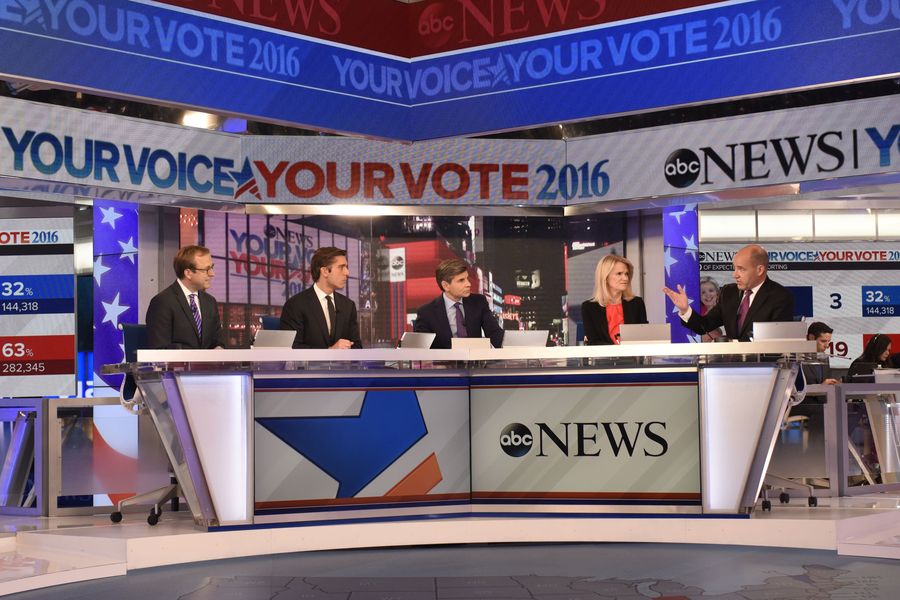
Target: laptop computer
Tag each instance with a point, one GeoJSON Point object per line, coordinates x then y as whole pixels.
{"type": "Point", "coordinates": [274, 338]}
{"type": "Point", "coordinates": [513, 339]}
{"type": "Point", "coordinates": [412, 339]}
{"type": "Point", "coordinates": [780, 330]}
{"type": "Point", "coordinates": [470, 343]}
{"type": "Point", "coordinates": [645, 333]}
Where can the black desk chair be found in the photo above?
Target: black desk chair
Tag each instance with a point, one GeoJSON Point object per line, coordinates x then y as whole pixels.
{"type": "Point", "coordinates": [270, 322]}
{"type": "Point", "coordinates": [135, 337]}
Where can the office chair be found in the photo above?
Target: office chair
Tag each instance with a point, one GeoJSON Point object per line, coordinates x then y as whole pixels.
{"type": "Point", "coordinates": [772, 481]}
{"type": "Point", "coordinates": [135, 337]}
{"type": "Point", "coordinates": [270, 322]}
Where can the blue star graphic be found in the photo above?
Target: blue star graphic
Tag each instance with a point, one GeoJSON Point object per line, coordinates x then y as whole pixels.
{"type": "Point", "coordinates": [244, 175]}
{"type": "Point", "coordinates": [355, 450]}
{"type": "Point", "coordinates": [110, 216]}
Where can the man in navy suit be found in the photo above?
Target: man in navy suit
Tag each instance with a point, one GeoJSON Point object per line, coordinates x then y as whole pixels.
{"type": "Point", "coordinates": [752, 298]}
{"type": "Point", "coordinates": [184, 316]}
{"type": "Point", "coordinates": [322, 318]}
{"type": "Point", "coordinates": [457, 312]}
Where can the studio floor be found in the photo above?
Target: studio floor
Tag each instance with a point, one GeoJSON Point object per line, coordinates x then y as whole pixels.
{"type": "Point", "coordinates": [844, 548]}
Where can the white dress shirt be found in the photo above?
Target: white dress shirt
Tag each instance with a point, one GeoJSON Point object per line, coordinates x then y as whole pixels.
{"type": "Point", "coordinates": [324, 304]}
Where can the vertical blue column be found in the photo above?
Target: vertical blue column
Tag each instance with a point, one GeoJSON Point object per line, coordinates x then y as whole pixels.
{"type": "Point", "coordinates": [115, 285]}
{"type": "Point", "coordinates": [681, 261]}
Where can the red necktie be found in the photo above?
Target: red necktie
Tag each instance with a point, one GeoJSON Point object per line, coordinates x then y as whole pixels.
{"type": "Point", "coordinates": [743, 310]}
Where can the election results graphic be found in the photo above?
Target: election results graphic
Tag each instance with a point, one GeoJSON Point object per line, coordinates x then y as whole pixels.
{"type": "Point", "coordinates": [37, 307]}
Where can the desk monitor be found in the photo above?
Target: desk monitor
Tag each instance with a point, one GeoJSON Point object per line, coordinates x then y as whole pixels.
{"type": "Point", "coordinates": [274, 338]}
{"type": "Point", "coordinates": [530, 339]}
{"type": "Point", "coordinates": [412, 339]}
{"type": "Point", "coordinates": [887, 375]}
{"type": "Point", "coordinates": [470, 343]}
{"type": "Point", "coordinates": [647, 333]}
{"type": "Point", "coordinates": [780, 330]}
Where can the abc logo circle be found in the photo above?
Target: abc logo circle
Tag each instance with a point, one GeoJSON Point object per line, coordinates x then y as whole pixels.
{"type": "Point", "coordinates": [682, 168]}
{"type": "Point", "coordinates": [435, 25]}
{"type": "Point", "coordinates": [516, 439]}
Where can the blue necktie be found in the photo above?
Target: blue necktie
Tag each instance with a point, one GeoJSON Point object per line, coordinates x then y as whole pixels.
{"type": "Point", "coordinates": [460, 322]}
{"type": "Point", "coordinates": [196, 312]}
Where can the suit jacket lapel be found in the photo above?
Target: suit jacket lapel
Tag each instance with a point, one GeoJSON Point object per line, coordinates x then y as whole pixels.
{"type": "Point", "coordinates": [443, 322]}
{"type": "Point", "coordinates": [315, 308]}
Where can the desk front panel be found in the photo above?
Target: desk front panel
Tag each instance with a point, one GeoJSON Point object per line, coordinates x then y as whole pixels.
{"type": "Point", "coordinates": [360, 440]}
{"type": "Point", "coordinates": [614, 437]}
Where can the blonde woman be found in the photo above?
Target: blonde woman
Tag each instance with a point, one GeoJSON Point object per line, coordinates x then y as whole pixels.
{"type": "Point", "coordinates": [613, 304]}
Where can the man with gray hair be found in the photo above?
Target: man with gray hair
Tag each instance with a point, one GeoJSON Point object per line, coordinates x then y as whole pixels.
{"type": "Point", "coordinates": [752, 298]}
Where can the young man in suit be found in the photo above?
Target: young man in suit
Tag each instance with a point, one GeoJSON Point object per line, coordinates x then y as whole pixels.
{"type": "Point", "coordinates": [321, 317]}
{"type": "Point", "coordinates": [184, 316]}
{"type": "Point", "coordinates": [457, 312]}
{"type": "Point", "coordinates": [752, 298]}
{"type": "Point", "coordinates": [819, 372]}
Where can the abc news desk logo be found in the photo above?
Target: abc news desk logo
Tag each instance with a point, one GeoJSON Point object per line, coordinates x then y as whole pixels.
{"type": "Point", "coordinates": [586, 439]}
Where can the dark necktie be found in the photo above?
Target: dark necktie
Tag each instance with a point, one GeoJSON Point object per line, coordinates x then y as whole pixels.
{"type": "Point", "coordinates": [196, 312]}
{"type": "Point", "coordinates": [332, 315]}
{"type": "Point", "coordinates": [743, 310]}
{"type": "Point", "coordinates": [460, 322]}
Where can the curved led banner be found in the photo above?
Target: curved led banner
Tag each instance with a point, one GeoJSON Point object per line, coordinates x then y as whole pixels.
{"type": "Point", "coordinates": [698, 54]}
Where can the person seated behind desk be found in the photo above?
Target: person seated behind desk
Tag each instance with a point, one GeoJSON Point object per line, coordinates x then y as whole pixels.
{"type": "Point", "coordinates": [817, 372]}
{"type": "Point", "coordinates": [875, 355]}
{"type": "Point", "coordinates": [613, 303]}
{"type": "Point", "coordinates": [457, 312]}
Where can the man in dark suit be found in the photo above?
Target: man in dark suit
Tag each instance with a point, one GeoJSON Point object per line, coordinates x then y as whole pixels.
{"type": "Point", "coordinates": [321, 317]}
{"type": "Point", "coordinates": [183, 316]}
{"type": "Point", "coordinates": [819, 372]}
{"type": "Point", "coordinates": [752, 298]}
{"type": "Point", "coordinates": [457, 312]}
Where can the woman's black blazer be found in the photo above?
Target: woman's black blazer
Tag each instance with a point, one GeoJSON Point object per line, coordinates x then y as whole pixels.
{"type": "Point", "coordinates": [596, 328]}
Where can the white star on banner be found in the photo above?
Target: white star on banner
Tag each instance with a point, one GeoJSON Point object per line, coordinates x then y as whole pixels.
{"type": "Point", "coordinates": [675, 308]}
{"type": "Point", "coordinates": [694, 339]}
{"type": "Point", "coordinates": [669, 260]}
{"type": "Point", "coordinates": [109, 216]}
{"type": "Point", "coordinates": [99, 269]}
{"type": "Point", "coordinates": [690, 246]}
{"type": "Point", "coordinates": [677, 215]}
{"type": "Point", "coordinates": [122, 347]}
{"type": "Point", "coordinates": [128, 249]}
{"type": "Point", "coordinates": [113, 311]}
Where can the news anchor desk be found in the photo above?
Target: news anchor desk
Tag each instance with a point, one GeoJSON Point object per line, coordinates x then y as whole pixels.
{"type": "Point", "coordinates": [268, 436]}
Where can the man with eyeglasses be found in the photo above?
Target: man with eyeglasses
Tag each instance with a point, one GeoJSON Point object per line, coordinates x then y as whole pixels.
{"type": "Point", "coordinates": [183, 316]}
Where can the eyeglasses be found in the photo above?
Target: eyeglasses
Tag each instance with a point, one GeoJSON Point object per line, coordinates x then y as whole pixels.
{"type": "Point", "coordinates": [206, 270]}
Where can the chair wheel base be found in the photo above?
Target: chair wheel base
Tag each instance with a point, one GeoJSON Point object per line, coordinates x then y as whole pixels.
{"type": "Point", "coordinates": [812, 501]}
{"type": "Point", "coordinates": [784, 497]}
{"type": "Point", "coordinates": [115, 517]}
{"type": "Point", "coordinates": [767, 505]}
